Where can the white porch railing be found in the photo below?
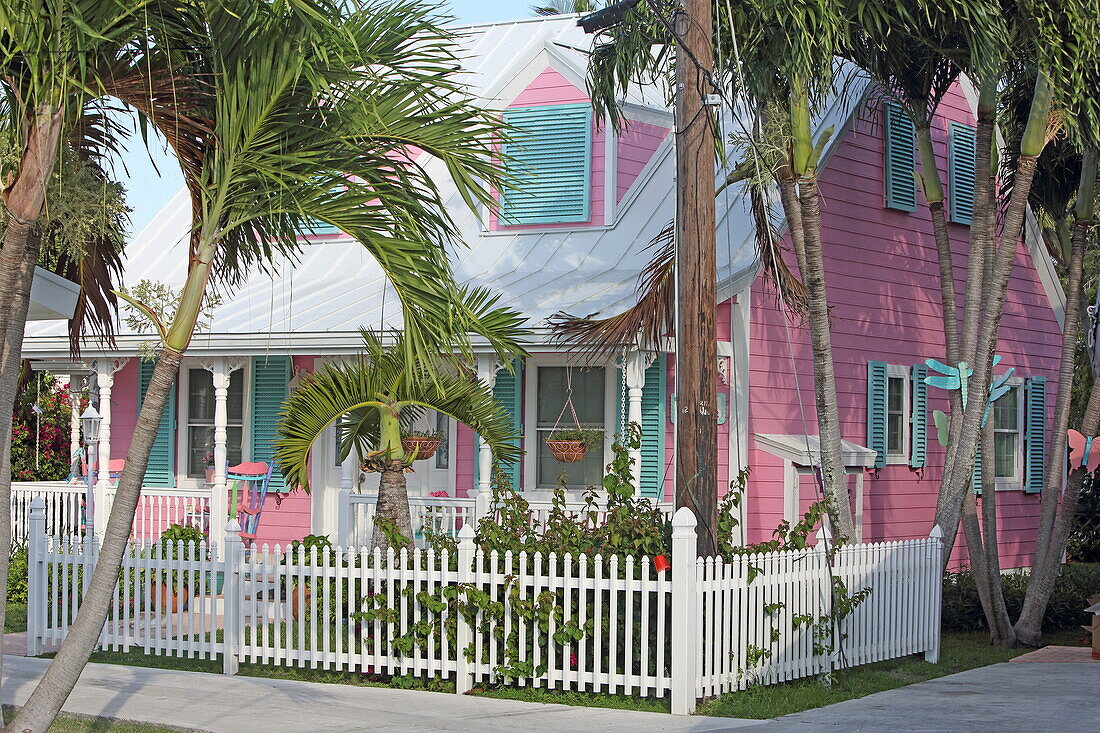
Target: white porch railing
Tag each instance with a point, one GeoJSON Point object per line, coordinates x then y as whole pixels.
{"type": "Point", "coordinates": [444, 514]}
{"type": "Point", "coordinates": [66, 514]}
{"type": "Point", "coordinates": [63, 507]}
{"type": "Point", "coordinates": [704, 627]}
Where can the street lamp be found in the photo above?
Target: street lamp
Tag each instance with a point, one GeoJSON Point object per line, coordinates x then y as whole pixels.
{"type": "Point", "coordinates": [89, 424]}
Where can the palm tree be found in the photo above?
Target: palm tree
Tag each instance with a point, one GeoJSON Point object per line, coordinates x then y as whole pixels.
{"type": "Point", "coordinates": [563, 7]}
{"type": "Point", "coordinates": [304, 110]}
{"type": "Point", "coordinates": [374, 396]}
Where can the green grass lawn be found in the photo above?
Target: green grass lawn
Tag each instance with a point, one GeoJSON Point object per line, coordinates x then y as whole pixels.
{"type": "Point", "coordinates": [89, 724]}
{"type": "Point", "coordinates": [959, 652]}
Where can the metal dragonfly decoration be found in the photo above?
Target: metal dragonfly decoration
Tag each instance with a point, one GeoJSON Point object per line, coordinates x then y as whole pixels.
{"type": "Point", "coordinates": [950, 378]}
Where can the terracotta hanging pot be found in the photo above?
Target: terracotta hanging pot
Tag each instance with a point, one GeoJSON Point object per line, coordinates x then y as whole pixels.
{"type": "Point", "coordinates": [423, 448]}
{"type": "Point", "coordinates": [567, 451]}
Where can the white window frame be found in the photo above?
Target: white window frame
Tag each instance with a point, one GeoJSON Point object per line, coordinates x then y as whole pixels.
{"type": "Point", "coordinates": [898, 371]}
{"type": "Point", "coordinates": [1015, 482]}
{"type": "Point", "coordinates": [530, 413]}
{"type": "Point", "coordinates": [183, 432]}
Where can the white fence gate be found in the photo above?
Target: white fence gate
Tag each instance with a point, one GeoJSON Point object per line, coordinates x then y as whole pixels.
{"type": "Point", "coordinates": [612, 624]}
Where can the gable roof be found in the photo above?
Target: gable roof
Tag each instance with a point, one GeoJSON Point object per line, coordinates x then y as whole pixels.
{"type": "Point", "coordinates": [317, 304]}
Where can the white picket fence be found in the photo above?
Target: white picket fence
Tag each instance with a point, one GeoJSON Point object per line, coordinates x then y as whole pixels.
{"type": "Point", "coordinates": [63, 506]}
{"type": "Point", "coordinates": [446, 515]}
{"type": "Point", "coordinates": [614, 624]}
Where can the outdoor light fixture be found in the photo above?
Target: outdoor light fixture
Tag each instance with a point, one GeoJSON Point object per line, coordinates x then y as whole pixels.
{"type": "Point", "coordinates": [605, 17]}
{"type": "Point", "coordinates": [89, 423]}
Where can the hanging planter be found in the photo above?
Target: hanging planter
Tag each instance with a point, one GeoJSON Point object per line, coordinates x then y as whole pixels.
{"type": "Point", "coordinates": [571, 445]}
{"type": "Point", "coordinates": [421, 443]}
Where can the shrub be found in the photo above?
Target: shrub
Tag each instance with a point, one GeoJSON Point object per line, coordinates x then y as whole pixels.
{"type": "Point", "coordinates": [962, 611]}
{"type": "Point", "coordinates": [17, 575]}
{"type": "Point", "coordinates": [1084, 542]}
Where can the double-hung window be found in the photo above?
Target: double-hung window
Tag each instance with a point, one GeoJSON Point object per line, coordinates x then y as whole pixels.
{"type": "Point", "coordinates": [897, 414]}
{"type": "Point", "coordinates": [200, 420]}
{"type": "Point", "coordinates": [1008, 426]}
{"type": "Point", "coordinates": [559, 391]}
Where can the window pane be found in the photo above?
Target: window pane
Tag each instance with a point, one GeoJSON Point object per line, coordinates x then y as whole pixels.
{"type": "Point", "coordinates": [1006, 415]}
{"type": "Point", "coordinates": [894, 433]}
{"type": "Point", "coordinates": [200, 399]}
{"type": "Point", "coordinates": [1005, 445]}
{"type": "Point", "coordinates": [234, 400]}
{"type": "Point", "coordinates": [443, 455]}
{"type": "Point", "coordinates": [580, 475]}
{"type": "Point", "coordinates": [895, 399]}
{"type": "Point", "coordinates": [200, 452]}
{"type": "Point", "coordinates": [588, 396]}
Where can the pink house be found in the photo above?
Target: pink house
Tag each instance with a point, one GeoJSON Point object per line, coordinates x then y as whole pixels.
{"type": "Point", "coordinates": [573, 238]}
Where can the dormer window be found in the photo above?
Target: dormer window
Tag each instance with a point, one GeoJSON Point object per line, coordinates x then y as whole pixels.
{"type": "Point", "coordinates": [548, 154]}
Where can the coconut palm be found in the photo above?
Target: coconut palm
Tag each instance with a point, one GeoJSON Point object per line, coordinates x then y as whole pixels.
{"type": "Point", "coordinates": [377, 394]}
{"type": "Point", "coordinates": [305, 111]}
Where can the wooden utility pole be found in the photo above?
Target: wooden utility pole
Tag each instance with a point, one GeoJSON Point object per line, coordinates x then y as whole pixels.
{"type": "Point", "coordinates": [696, 274]}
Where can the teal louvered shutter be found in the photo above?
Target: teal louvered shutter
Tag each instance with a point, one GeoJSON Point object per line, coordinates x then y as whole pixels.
{"type": "Point", "coordinates": [900, 169]}
{"type": "Point", "coordinates": [963, 145]}
{"type": "Point", "coordinates": [161, 468]}
{"type": "Point", "coordinates": [653, 430]}
{"type": "Point", "coordinates": [508, 390]}
{"type": "Point", "coordinates": [270, 380]}
{"type": "Point", "coordinates": [976, 472]}
{"type": "Point", "coordinates": [1036, 426]}
{"type": "Point", "coordinates": [548, 154]}
{"type": "Point", "coordinates": [918, 428]}
{"type": "Point", "coordinates": [876, 410]}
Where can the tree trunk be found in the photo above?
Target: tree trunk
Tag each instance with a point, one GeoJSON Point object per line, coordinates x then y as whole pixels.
{"type": "Point", "coordinates": [1000, 626]}
{"type": "Point", "coordinates": [973, 532]}
{"type": "Point", "coordinates": [834, 479]}
{"type": "Point", "coordinates": [958, 469]}
{"type": "Point", "coordinates": [1074, 302]}
{"type": "Point", "coordinates": [933, 194]}
{"type": "Point", "coordinates": [1029, 627]}
{"type": "Point", "coordinates": [53, 689]}
{"type": "Point", "coordinates": [24, 198]}
{"type": "Point", "coordinates": [393, 505]}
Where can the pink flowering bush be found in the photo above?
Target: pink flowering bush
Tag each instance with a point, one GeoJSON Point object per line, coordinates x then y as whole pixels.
{"type": "Point", "coordinates": [52, 432]}
{"type": "Point", "coordinates": [440, 494]}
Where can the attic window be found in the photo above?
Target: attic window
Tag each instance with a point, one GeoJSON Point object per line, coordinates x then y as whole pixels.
{"type": "Point", "coordinates": [548, 158]}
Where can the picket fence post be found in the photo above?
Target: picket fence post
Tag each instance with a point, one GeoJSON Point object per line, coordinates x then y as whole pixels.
{"type": "Point", "coordinates": [36, 576]}
{"type": "Point", "coordinates": [685, 632]}
{"type": "Point", "coordinates": [233, 552]}
{"type": "Point", "coordinates": [824, 543]}
{"type": "Point", "coordinates": [481, 505]}
{"type": "Point", "coordinates": [935, 559]}
{"type": "Point", "coordinates": [343, 518]}
{"type": "Point", "coordinates": [464, 674]}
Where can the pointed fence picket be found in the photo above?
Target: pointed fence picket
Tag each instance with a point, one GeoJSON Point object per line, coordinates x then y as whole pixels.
{"type": "Point", "coordinates": [596, 624]}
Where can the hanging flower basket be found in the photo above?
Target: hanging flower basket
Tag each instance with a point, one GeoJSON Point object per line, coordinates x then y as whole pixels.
{"type": "Point", "coordinates": [422, 446]}
{"type": "Point", "coordinates": [567, 451]}
{"type": "Point", "coordinates": [570, 446]}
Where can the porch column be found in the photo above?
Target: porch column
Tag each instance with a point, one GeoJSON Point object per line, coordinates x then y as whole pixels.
{"type": "Point", "coordinates": [487, 367]}
{"type": "Point", "coordinates": [105, 379]}
{"type": "Point", "coordinates": [74, 421]}
{"type": "Point", "coordinates": [221, 370]}
{"type": "Point", "coordinates": [635, 364]}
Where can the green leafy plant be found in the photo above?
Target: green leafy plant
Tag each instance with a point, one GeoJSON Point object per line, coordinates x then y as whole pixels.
{"type": "Point", "coordinates": [17, 575]}
{"type": "Point", "coordinates": [429, 434]}
{"type": "Point", "coordinates": [589, 437]}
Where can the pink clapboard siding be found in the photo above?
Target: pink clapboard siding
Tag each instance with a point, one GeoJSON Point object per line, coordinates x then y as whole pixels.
{"type": "Point", "coordinates": [551, 88]}
{"type": "Point", "coordinates": [636, 144]}
{"type": "Point", "coordinates": [124, 402]}
{"type": "Point", "coordinates": [882, 279]}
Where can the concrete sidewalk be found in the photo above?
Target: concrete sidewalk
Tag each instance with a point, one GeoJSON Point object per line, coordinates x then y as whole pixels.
{"type": "Point", "coordinates": [1036, 698]}
{"type": "Point", "coordinates": [210, 702]}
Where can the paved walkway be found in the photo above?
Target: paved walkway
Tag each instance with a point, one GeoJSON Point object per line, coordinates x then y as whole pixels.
{"type": "Point", "coordinates": [210, 702]}
{"type": "Point", "coordinates": [1076, 654]}
{"type": "Point", "coordinates": [1037, 698]}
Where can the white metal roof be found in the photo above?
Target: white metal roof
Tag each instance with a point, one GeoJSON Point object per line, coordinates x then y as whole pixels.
{"type": "Point", "coordinates": [318, 304]}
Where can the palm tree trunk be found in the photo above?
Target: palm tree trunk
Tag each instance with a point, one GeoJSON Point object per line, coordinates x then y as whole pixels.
{"type": "Point", "coordinates": [973, 532]}
{"type": "Point", "coordinates": [834, 478]}
{"type": "Point", "coordinates": [52, 690]}
{"type": "Point", "coordinates": [1074, 301]}
{"type": "Point", "coordinates": [392, 506]}
{"type": "Point", "coordinates": [24, 198]}
{"type": "Point", "coordinates": [933, 194]}
{"type": "Point", "coordinates": [1000, 627]}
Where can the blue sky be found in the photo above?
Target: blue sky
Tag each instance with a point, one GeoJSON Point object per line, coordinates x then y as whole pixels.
{"type": "Point", "coordinates": [149, 188]}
